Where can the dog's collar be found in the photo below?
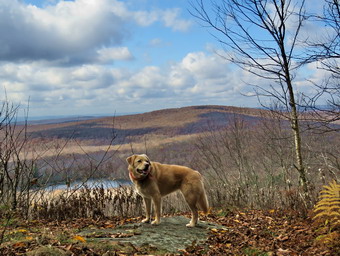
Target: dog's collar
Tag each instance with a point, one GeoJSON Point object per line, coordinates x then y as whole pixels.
{"type": "Point", "coordinates": [133, 177]}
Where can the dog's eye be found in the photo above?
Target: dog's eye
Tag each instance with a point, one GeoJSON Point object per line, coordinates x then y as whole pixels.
{"type": "Point", "coordinates": [139, 161]}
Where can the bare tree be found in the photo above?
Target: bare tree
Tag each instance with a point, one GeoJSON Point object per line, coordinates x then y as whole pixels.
{"type": "Point", "coordinates": [15, 171]}
{"type": "Point", "coordinates": [261, 36]}
{"type": "Point", "coordinates": [325, 52]}
{"type": "Point", "coordinates": [326, 48]}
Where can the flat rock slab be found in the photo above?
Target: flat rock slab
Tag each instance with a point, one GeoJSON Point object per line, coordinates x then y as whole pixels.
{"type": "Point", "coordinates": [170, 236]}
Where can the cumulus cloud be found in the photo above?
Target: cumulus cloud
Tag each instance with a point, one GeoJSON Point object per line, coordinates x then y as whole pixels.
{"type": "Point", "coordinates": [198, 76]}
{"type": "Point", "coordinates": [169, 17]}
{"type": "Point", "coordinates": [77, 31]}
{"type": "Point", "coordinates": [59, 56]}
{"type": "Point", "coordinates": [107, 55]}
{"type": "Point", "coordinates": [66, 29]}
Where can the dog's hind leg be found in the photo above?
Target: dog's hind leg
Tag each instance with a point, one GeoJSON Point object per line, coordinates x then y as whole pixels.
{"type": "Point", "coordinates": [194, 216]}
{"type": "Point", "coordinates": [191, 199]}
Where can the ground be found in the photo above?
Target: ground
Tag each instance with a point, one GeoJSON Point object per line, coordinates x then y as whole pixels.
{"type": "Point", "coordinates": [248, 232]}
{"type": "Point", "coordinates": [171, 236]}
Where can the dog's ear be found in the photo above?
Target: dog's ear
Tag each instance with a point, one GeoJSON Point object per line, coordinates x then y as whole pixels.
{"type": "Point", "coordinates": [130, 159]}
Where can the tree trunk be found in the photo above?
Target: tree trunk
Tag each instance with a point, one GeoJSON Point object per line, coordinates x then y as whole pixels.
{"type": "Point", "coordinates": [298, 151]}
{"type": "Point", "coordinates": [14, 202]}
{"type": "Point", "coordinates": [294, 121]}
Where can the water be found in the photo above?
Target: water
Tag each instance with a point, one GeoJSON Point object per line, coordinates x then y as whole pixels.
{"type": "Point", "coordinates": [92, 183]}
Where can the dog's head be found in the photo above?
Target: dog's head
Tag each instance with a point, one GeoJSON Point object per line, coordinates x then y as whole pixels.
{"type": "Point", "coordinates": [139, 165]}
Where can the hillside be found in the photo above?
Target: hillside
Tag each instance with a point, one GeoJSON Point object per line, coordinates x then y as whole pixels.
{"type": "Point", "coordinates": [168, 122]}
{"type": "Point", "coordinates": [168, 135]}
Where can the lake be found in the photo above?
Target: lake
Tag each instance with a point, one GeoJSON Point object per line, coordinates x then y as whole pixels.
{"type": "Point", "coordinates": [92, 183]}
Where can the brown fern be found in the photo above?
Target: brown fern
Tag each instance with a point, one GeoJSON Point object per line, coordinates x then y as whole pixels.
{"type": "Point", "coordinates": [328, 208]}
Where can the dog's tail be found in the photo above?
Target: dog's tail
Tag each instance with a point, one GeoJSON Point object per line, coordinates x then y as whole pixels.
{"type": "Point", "coordinates": [203, 201]}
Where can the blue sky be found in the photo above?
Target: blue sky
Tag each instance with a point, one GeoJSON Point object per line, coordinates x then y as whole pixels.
{"type": "Point", "coordinates": [87, 57]}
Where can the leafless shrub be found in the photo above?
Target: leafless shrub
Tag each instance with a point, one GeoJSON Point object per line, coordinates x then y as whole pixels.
{"type": "Point", "coordinates": [251, 164]}
{"type": "Point", "coordinates": [17, 174]}
{"type": "Point", "coordinates": [25, 171]}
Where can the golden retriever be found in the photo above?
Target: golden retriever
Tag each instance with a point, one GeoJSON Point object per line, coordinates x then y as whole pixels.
{"type": "Point", "coordinates": [154, 180]}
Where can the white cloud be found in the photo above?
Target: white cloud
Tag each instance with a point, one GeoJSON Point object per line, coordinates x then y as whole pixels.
{"type": "Point", "coordinates": [59, 57]}
{"type": "Point", "coordinates": [144, 18]}
{"type": "Point", "coordinates": [189, 80]}
{"type": "Point", "coordinates": [156, 42]}
{"type": "Point", "coordinates": [170, 19]}
{"type": "Point", "coordinates": [74, 31]}
{"type": "Point", "coordinates": [199, 78]}
{"type": "Point", "coordinates": [67, 29]}
{"type": "Point", "coordinates": [114, 53]}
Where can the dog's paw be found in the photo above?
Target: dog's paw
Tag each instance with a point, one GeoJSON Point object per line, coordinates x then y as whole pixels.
{"type": "Point", "coordinates": [146, 220]}
{"type": "Point", "coordinates": [155, 222]}
{"type": "Point", "coordinates": [190, 225]}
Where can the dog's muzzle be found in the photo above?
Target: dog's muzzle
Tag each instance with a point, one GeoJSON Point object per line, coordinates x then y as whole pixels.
{"type": "Point", "coordinates": [145, 170]}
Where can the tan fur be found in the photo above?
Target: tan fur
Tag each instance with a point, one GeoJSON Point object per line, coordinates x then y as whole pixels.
{"type": "Point", "coordinates": [154, 180]}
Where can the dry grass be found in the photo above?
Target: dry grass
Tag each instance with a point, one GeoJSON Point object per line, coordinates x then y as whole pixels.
{"type": "Point", "coordinates": [96, 203]}
{"type": "Point", "coordinates": [150, 141]}
{"type": "Point", "coordinates": [87, 203]}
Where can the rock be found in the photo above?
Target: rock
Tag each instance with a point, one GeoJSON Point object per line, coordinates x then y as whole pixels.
{"type": "Point", "coordinates": [170, 236]}
{"type": "Point", "coordinates": [48, 251]}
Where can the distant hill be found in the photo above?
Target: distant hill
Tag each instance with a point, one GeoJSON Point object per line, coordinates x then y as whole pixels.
{"type": "Point", "coordinates": [169, 136]}
{"type": "Point", "coordinates": [56, 120]}
{"type": "Point", "coordinates": [168, 122]}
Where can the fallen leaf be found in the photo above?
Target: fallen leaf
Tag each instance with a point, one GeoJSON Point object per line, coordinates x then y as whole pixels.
{"type": "Point", "coordinates": [282, 252]}
{"type": "Point", "coordinates": [282, 238]}
{"type": "Point", "coordinates": [80, 238]}
{"type": "Point", "coordinates": [19, 245]}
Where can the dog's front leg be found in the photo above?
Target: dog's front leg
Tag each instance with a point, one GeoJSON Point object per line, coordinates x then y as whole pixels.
{"type": "Point", "coordinates": [147, 204]}
{"type": "Point", "coordinates": [157, 201]}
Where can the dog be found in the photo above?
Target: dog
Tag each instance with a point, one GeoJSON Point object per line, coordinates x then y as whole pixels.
{"type": "Point", "coordinates": [154, 180]}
